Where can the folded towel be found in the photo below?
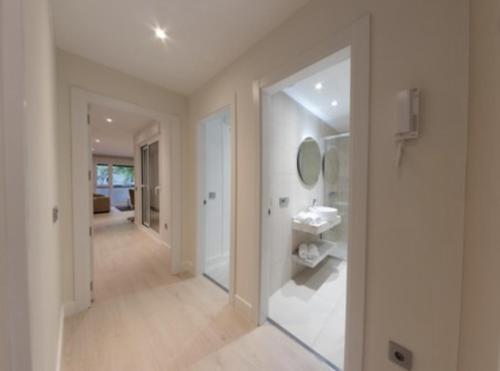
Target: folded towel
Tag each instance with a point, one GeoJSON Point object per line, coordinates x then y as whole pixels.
{"type": "Point", "coordinates": [312, 252]}
{"type": "Point", "coordinates": [303, 251]}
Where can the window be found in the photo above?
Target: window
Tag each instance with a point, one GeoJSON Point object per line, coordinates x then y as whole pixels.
{"type": "Point", "coordinates": [123, 176]}
{"type": "Point", "coordinates": [102, 175]}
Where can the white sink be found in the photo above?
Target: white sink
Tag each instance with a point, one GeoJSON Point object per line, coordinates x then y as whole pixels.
{"type": "Point", "coordinates": [327, 213]}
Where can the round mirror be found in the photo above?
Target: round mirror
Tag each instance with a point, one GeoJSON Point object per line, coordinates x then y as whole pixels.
{"type": "Point", "coordinates": [309, 161]}
{"type": "Point", "coordinates": [331, 166]}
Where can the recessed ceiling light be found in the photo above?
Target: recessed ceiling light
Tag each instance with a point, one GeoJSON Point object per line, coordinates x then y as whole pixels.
{"type": "Point", "coordinates": [335, 103]}
{"type": "Point", "coordinates": [318, 86]}
{"type": "Point", "coordinates": [98, 141]}
{"type": "Point", "coordinates": [110, 120]}
{"type": "Point", "coordinates": [160, 33]}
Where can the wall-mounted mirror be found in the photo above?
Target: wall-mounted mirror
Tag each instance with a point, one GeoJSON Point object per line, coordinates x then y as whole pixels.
{"type": "Point", "coordinates": [331, 166]}
{"type": "Point", "coordinates": [309, 161]}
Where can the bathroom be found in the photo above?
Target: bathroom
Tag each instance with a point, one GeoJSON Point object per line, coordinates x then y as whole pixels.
{"type": "Point", "coordinates": [306, 149]}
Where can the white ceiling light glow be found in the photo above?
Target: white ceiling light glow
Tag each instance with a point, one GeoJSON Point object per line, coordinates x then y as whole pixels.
{"type": "Point", "coordinates": [98, 141]}
{"type": "Point", "coordinates": [109, 120]}
{"type": "Point", "coordinates": [318, 86]}
{"type": "Point", "coordinates": [335, 103]}
{"type": "Point", "coordinates": [160, 33]}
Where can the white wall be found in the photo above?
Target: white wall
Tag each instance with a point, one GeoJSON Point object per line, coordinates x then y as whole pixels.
{"type": "Point", "coordinates": [480, 336]}
{"type": "Point", "coordinates": [5, 338]}
{"type": "Point", "coordinates": [15, 320]}
{"type": "Point", "coordinates": [75, 71]}
{"type": "Point", "coordinates": [41, 185]}
{"type": "Point", "coordinates": [288, 125]}
{"type": "Point", "coordinates": [416, 215]}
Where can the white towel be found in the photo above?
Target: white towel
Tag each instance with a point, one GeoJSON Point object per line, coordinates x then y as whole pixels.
{"type": "Point", "coordinates": [303, 251]}
{"type": "Point", "coordinates": [312, 252]}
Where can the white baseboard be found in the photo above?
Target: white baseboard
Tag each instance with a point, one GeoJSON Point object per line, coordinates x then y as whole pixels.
{"type": "Point", "coordinates": [187, 266]}
{"type": "Point", "coordinates": [244, 308]}
{"type": "Point", "coordinates": [155, 236]}
{"type": "Point", "coordinates": [60, 341]}
{"type": "Point", "coordinates": [70, 308]}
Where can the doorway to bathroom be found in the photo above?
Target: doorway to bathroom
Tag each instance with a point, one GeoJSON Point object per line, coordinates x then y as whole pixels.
{"type": "Point", "coordinates": [215, 197]}
{"type": "Point", "coordinates": [314, 198]}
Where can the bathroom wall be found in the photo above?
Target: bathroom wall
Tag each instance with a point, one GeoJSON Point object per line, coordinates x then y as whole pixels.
{"type": "Point", "coordinates": [289, 124]}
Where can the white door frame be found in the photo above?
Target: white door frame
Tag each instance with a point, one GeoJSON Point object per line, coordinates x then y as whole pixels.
{"type": "Point", "coordinates": [357, 37]}
{"type": "Point", "coordinates": [200, 185]}
{"type": "Point", "coordinates": [82, 207]}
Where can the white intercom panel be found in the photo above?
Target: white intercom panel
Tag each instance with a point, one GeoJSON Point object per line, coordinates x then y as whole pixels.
{"type": "Point", "coordinates": [408, 114]}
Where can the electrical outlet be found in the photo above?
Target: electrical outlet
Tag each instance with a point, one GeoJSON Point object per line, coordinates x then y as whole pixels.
{"type": "Point", "coordinates": [400, 355]}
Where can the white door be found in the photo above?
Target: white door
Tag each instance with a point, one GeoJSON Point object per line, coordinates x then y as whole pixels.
{"type": "Point", "coordinates": [216, 198]}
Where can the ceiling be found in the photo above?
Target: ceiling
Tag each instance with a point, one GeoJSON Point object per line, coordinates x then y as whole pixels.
{"type": "Point", "coordinates": [203, 36]}
{"type": "Point", "coordinates": [335, 82]}
{"type": "Point", "coordinates": [116, 138]}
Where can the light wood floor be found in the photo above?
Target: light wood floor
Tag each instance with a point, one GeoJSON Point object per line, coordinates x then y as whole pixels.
{"type": "Point", "coordinates": [146, 319]}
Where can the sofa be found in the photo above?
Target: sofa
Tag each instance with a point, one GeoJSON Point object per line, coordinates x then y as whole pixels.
{"type": "Point", "coordinates": [102, 204]}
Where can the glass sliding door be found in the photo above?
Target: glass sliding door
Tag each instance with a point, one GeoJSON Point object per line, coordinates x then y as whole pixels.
{"type": "Point", "coordinates": [154, 187]}
{"type": "Point", "coordinates": [150, 186]}
{"type": "Point", "coordinates": [145, 185]}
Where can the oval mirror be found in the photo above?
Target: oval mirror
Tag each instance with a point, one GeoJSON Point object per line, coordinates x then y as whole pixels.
{"type": "Point", "coordinates": [331, 166]}
{"type": "Point", "coordinates": [309, 161]}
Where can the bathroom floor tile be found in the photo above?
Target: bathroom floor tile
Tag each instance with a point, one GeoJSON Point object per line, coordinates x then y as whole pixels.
{"type": "Point", "coordinates": [311, 306]}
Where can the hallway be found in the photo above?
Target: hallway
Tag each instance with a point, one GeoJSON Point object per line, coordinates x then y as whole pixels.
{"type": "Point", "coordinates": [146, 319]}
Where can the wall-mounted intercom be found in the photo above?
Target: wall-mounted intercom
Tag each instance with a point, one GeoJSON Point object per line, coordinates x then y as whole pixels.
{"type": "Point", "coordinates": [408, 116]}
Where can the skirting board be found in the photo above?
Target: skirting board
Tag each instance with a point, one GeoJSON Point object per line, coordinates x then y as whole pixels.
{"type": "Point", "coordinates": [154, 236]}
{"type": "Point", "coordinates": [188, 266]}
{"type": "Point", "coordinates": [71, 308]}
{"type": "Point", "coordinates": [244, 308]}
{"type": "Point", "coordinates": [60, 342]}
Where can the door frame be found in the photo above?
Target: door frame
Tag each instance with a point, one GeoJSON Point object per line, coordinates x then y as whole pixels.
{"type": "Point", "coordinates": [82, 181]}
{"type": "Point", "coordinates": [357, 37]}
{"type": "Point", "coordinates": [200, 252]}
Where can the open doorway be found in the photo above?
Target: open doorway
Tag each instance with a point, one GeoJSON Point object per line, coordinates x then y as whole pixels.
{"type": "Point", "coordinates": [122, 189]}
{"type": "Point", "coordinates": [215, 194]}
{"type": "Point", "coordinates": [308, 121]}
{"type": "Point", "coordinates": [125, 150]}
{"type": "Point", "coordinates": [314, 198]}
